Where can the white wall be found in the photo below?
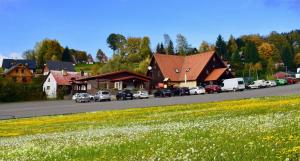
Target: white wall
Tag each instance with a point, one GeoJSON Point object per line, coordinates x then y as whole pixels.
{"type": "Point", "coordinates": [189, 84]}
{"type": "Point", "coordinates": [51, 93]}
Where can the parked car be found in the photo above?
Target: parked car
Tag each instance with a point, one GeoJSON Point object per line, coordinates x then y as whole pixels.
{"type": "Point", "coordinates": [197, 90]}
{"type": "Point", "coordinates": [163, 93]}
{"type": "Point", "coordinates": [270, 83]}
{"type": "Point", "coordinates": [280, 82]}
{"type": "Point", "coordinates": [291, 80]}
{"type": "Point", "coordinates": [184, 91]}
{"type": "Point", "coordinates": [91, 97]}
{"type": "Point", "coordinates": [124, 95]}
{"type": "Point", "coordinates": [234, 84]}
{"type": "Point", "coordinates": [75, 96]}
{"type": "Point", "coordinates": [141, 94]}
{"type": "Point", "coordinates": [258, 84]}
{"type": "Point", "coordinates": [83, 97]}
{"type": "Point", "coordinates": [213, 89]}
{"type": "Point", "coordinates": [103, 96]}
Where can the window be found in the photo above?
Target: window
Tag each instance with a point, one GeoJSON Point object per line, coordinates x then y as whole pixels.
{"type": "Point", "coordinates": [48, 87]}
{"type": "Point", "coordinates": [117, 84]}
{"type": "Point", "coordinates": [24, 79]}
{"type": "Point", "coordinates": [240, 82]}
{"type": "Point", "coordinates": [89, 86]}
{"type": "Point", "coordinates": [207, 72]}
{"type": "Point", "coordinates": [49, 80]}
{"type": "Point", "coordinates": [22, 70]}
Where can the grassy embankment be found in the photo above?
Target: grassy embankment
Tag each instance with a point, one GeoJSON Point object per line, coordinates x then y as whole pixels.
{"type": "Point", "coordinates": [252, 129]}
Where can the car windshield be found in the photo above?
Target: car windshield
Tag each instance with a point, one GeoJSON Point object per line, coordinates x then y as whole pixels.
{"type": "Point", "coordinates": [105, 92]}
{"type": "Point", "coordinates": [240, 82]}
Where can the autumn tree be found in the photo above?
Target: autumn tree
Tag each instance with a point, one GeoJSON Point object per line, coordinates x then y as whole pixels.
{"type": "Point", "coordinates": [268, 51]}
{"type": "Point", "coordinates": [29, 55]}
{"type": "Point", "coordinates": [48, 50]}
{"type": "Point", "coordinates": [297, 59]}
{"type": "Point", "coordinates": [205, 46]}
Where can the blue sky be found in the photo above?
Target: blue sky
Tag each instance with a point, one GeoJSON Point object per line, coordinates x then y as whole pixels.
{"type": "Point", "coordinates": [85, 24]}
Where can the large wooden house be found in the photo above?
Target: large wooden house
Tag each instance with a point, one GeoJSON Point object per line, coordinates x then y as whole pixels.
{"type": "Point", "coordinates": [187, 71]}
{"type": "Point", "coordinates": [19, 73]}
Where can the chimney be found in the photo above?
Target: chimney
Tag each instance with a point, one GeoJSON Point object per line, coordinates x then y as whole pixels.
{"type": "Point", "coordinates": [81, 72]}
{"type": "Point", "coordinates": [64, 72]}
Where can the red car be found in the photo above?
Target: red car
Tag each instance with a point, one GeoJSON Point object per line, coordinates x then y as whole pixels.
{"type": "Point", "coordinates": [291, 80]}
{"type": "Point", "coordinates": [212, 89]}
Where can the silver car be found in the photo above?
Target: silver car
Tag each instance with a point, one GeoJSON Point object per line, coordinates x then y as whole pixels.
{"type": "Point", "coordinates": [141, 94]}
{"type": "Point", "coordinates": [102, 96]}
{"type": "Point", "coordinates": [83, 97]}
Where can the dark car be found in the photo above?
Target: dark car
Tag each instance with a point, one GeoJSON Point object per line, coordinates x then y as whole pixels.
{"type": "Point", "coordinates": [184, 91]}
{"type": "Point", "coordinates": [291, 80]}
{"type": "Point", "coordinates": [124, 95]}
{"type": "Point", "coordinates": [212, 89]}
{"type": "Point", "coordinates": [163, 93]}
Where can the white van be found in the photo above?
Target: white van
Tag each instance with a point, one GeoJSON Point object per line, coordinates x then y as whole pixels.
{"type": "Point", "coordinates": [234, 84]}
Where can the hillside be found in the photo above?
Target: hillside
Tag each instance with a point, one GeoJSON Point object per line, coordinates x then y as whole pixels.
{"type": "Point", "coordinates": [252, 129]}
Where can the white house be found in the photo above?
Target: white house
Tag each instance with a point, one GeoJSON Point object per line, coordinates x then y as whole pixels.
{"type": "Point", "coordinates": [58, 79]}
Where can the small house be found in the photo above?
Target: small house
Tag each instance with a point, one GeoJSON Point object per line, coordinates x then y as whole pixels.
{"type": "Point", "coordinates": [58, 66]}
{"type": "Point", "coordinates": [19, 73]}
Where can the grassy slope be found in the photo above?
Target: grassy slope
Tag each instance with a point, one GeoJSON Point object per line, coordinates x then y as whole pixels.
{"type": "Point", "coordinates": [85, 67]}
{"type": "Point", "coordinates": [253, 129]}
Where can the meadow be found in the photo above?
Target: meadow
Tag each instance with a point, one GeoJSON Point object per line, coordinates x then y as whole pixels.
{"type": "Point", "coordinates": [251, 129]}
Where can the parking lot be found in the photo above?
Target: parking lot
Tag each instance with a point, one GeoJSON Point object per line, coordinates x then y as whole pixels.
{"type": "Point", "coordinates": [42, 108]}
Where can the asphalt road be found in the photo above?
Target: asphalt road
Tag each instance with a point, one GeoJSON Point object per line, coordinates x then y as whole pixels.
{"type": "Point", "coordinates": [33, 109]}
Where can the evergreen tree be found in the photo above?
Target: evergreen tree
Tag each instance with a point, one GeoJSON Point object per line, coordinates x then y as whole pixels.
{"type": "Point", "coordinates": [66, 55]}
{"type": "Point", "coordinates": [231, 46]}
{"type": "Point", "coordinates": [287, 56]}
{"type": "Point", "coordinates": [221, 48]}
{"type": "Point", "coordinates": [236, 61]}
{"type": "Point", "coordinates": [170, 48]}
{"type": "Point", "coordinates": [160, 48]}
{"type": "Point", "coordinates": [251, 54]}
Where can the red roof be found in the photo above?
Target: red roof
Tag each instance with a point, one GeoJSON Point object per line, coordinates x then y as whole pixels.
{"type": "Point", "coordinates": [175, 67]}
{"type": "Point", "coordinates": [215, 74]}
{"type": "Point", "coordinates": [67, 78]}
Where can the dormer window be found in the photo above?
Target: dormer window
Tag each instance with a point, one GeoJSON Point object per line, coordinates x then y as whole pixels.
{"type": "Point", "coordinates": [188, 69]}
{"type": "Point", "coordinates": [177, 70]}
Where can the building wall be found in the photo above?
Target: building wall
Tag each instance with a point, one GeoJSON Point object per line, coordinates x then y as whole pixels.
{"type": "Point", "coordinates": [50, 86]}
{"type": "Point", "coordinates": [20, 74]}
{"type": "Point", "coordinates": [188, 84]}
{"type": "Point", "coordinates": [155, 74]}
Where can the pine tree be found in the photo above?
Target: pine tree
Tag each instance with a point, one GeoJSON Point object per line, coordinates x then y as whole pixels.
{"type": "Point", "coordinates": [66, 55]}
{"type": "Point", "coordinates": [251, 54]}
{"type": "Point", "coordinates": [162, 48]}
{"type": "Point", "coordinates": [182, 45]}
{"type": "Point", "coordinates": [221, 48]}
{"type": "Point", "coordinates": [170, 48]}
{"type": "Point", "coordinates": [231, 46]}
{"type": "Point", "coordinates": [287, 56]}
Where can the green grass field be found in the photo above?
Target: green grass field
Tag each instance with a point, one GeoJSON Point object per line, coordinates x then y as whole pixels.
{"type": "Point", "coordinates": [251, 129]}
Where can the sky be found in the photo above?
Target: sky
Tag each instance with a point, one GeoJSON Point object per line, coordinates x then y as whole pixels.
{"type": "Point", "coordinates": [85, 24]}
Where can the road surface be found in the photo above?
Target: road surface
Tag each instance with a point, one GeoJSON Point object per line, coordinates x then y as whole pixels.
{"type": "Point", "coordinates": [42, 108]}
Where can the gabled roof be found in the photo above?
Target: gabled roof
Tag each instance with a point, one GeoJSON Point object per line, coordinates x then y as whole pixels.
{"type": "Point", "coordinates": [8, 63]}
{"type": "Point", "coordinates": [14, 67]}
{"type": "Point", "coordinates": [60, 65]}
{"type": "Point", "coordinates": [176, 67]}
{"type": "Point", "coordinates": [215, 74]}
{"type": "Point", "coordinates": [66, 79]}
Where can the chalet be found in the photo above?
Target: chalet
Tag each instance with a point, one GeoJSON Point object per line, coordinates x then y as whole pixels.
{"type": "Point", "coordinates": [187, 71]}
{"type": "Point", "coordinates": [58, 66]}
{"type": "Point", "coordinates": [9, 63]}
{"type": "Point", "coordinates": [19, 73]}
{"type": "Point", "coordinates": [112, 81]}
{"type": "Point", "coordinates": [58, 79]}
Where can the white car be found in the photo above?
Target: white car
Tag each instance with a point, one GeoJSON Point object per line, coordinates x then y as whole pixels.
{"type": "Point", "coordinates": [102, 96]}
{"type": "Point", "coordinates": [197, 90]}
{"type": "Point", "coordinates": [258, 84]}
{"type": "Point", "coordinates": [75, 96]}
{"type": "Point", "coordinates": [141, 94]}
{"type": "Point", "coordinates": [270, 83]}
